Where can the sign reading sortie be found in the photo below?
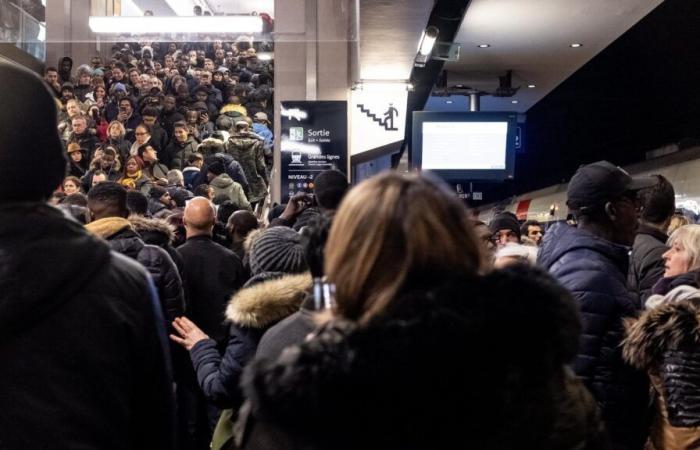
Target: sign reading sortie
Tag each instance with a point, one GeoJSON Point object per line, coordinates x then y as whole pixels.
{"type": "Point", "coordinates": [314, 138]}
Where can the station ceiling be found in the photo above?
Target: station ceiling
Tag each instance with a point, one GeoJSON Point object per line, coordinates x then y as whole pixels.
{"type": "Point", "coordinates": [533, 38]}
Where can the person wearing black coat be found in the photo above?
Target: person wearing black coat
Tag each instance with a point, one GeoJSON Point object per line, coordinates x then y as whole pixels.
{"type": "Point", "coordinates": [81, 335]}
{"type": "Point", "coordinates": [108, 212]}
{"type": "Point", "coordinates": [160, 233]}
{"type": "Point", "coordinates": [646, 262]}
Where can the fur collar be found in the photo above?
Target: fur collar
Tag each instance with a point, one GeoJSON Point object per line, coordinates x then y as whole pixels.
{"type": "Point", "coordinates": [143, 224]}
{"type": "Point", "coordinates": [108, 227]}
{"type": "Point", "coordinates": [263, 304]}
{"type": "Point", "coordinates": [665, 327]}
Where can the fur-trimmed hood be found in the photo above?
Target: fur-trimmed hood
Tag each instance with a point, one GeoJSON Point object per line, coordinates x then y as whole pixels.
{"type": "Point", "coordinates": [153, 226]}
{"type": "Point", "coordinates": [265, 303]}
{"type": "Point", "coordinates": [669, 326]}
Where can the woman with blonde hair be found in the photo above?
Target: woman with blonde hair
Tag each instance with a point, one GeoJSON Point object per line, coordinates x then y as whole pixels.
{"type": "Point", "coordinates": [115, 138]}
{"type": "Point", "coordinates": [664, 343]}
{"type": "Point", "coordinates": [423, 351]}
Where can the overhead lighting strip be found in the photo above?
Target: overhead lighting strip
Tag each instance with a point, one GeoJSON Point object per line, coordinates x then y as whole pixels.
{"type": "Point", "coordinates": [175, 24]}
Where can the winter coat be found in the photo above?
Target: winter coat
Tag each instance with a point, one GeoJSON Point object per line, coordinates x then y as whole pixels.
{"type": "Point", "coordinates": [86, 179]}
{"type": "Point", "coordinates": [160, 233]}
{"type": "Point", "coordinates": [646, 263]}
{"type": "Point", "coordinates": [457, 363]}
{"type": "Point", "coordinates": [223, 184]}
{"type": "Point", "coordinates": [157, 209]}
{"type": "Point", "coordinates": [213, 274]}
{"type": "Point", "coordinates": [248, 151]}
{"type": "Point", "coordinates": [156, 170]}
{"type": "Point", "coordinates": [664, 343]}
{"type": "Point", "coordinates": [83, 346]}
{"type": "Point", "coordinates": [122, 238]}
{"type": "Point", "coordinates": [233, 169]}
{"type": "Point", "coordinates": [251, 311]}
{"type": "Point", "coordinates": [292, 330]}
{"type": "Point", "coordinates": [168, 119]}
{"type": "Point", "coordinates": [594, 271]}
{"type": "Point", "coordinates": [179, 152]}
{"type": "Point", "coordinates": [264, 132]}
{"type": "Point", "coordinates": [122, 146]}
{"type": "Point", "coordinates": [87, 141]}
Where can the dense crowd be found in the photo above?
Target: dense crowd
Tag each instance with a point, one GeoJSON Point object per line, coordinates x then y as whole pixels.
{"type": "Point", "coordinates": [182, 117]}
{"type": "Point", "coordinates": [147, 310]}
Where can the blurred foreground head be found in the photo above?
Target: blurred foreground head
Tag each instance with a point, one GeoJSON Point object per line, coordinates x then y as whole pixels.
{"type": "Point", "coordinates": [29, 136]}
{"type": "Point", "coordinates": [393, 231]}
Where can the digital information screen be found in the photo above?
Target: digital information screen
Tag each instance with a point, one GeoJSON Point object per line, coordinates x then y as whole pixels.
{"type": "Point", "coordinates": [464, 145]}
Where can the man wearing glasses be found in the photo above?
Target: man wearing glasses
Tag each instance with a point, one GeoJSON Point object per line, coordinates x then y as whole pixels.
{"type": "Point", "coordinates": [591, 261]}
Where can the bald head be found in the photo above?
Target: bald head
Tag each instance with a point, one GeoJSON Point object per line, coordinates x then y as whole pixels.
{"type": "Point", "coordinates": [199, 217]}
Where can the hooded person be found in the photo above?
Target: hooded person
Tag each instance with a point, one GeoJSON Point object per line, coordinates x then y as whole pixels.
{"type": "Point", "coordinates": [248, 151]}
{"type": "Point", "coordinates": [505, 229]}
{"type": "Point", "coordinates": [222, 184]}
{"type": "Point", "coordinates": [54, 275]}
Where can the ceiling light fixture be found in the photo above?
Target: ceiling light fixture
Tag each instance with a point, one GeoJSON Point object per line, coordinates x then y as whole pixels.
{"type": "Point", "coordinates": [425, 46]}
{"type": "Point", "coordinates": [515, 102]}
{"type": "Point", "coordinates": [575, 45]}
{"type": "Point", "coordinates": [531, 86]}
{"type": "Point", "coordinates": [265, 56]}
{"type": "Point", "coordinates": [484, 45]}
{"type": "Point", "coordinates": [383, 85]}
{"type": "Point", "coordinates": [449, 102]}
{"type": "Point", "coordinates": [175, 24]}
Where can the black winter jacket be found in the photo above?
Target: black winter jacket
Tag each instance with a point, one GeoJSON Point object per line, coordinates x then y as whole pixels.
{"type": "Point", "coordinates": [121, 237]}
{"type": "Point", "coordinates": [160, 233]}
{"type": "Point", "coordinates": [646, 263]}
{"type": "Point", "coordinates": [251, 311]}
{"type": "Point", "coordinates": [84, 360]}
{"type": "Point", "coordinates": [213, 274]}
{"type": "Point", "coordinates": [595, 272]}
{"type": "Point", "coordinates": [457, 363]}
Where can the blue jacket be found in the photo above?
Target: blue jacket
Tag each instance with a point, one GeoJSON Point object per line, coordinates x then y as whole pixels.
{"type": "Point", "coordinates": [594, 270]}
{"type": "Point", "coordinates": [251, 312]}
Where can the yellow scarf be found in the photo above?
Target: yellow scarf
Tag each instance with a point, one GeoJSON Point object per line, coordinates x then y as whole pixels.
{"type": "Point", "coordinates": [129, 181]}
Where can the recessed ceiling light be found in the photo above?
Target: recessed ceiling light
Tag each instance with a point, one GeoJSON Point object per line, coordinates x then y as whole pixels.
{"type": "Point", "coordinates": [449, 102]}
{"type": "Point", "coordinates": [515, 102]}
{"type": "Point", "coordinates": [484, 45]}
{"type": "Point", "coordinates": [575, 45]}
{"type": "Point", "coordinates": [531, 86]}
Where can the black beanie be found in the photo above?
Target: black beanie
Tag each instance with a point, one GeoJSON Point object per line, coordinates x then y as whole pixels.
{"type": "Point", "coordinates": [157, 192]}
{"type": "Point", "coordinates": [505, 221]}
{"type": "Point", "coordinates": [277, 249]}
{"type": "Point", "coordinates": [27, 100]}
{"type": "Point", "coordinates": [217, 168]}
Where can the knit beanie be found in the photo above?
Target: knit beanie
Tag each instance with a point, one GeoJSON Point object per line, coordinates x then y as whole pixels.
{"type": "Point", "coordinates": [505, 221]}
{"type": "Point", "coordinates": [27, 100]}
{"type": "Point", "coordinates": [217, 168]}
{"type": "Point", "coordinates": [277, 249]}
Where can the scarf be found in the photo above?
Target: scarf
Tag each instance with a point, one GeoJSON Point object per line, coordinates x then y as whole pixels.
{"type": "Point", "coordinates": [129, 181]}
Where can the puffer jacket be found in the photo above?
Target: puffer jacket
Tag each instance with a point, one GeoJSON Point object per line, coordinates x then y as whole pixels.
{"type": "Point", "coordinates": [248, 151]}
{"type": "Point", "coordinates": [457, 363]}
{"type": "Point", "coordinates": [122, 238]}
{"type": "Point", "coordinates": [664, 342]}
{"type": "Point", "coordinates": [224, 185]}
{"type": "Point", "coordinates": [646, 263]}
{"type": "Point", "coordinates": [178, 152]}
{"type": "Point", "coordinates": [595, 272]}
{"type": "Point", "coordinates": [84, 359]}
{"type": "Point", "coordinates": [251, 311]}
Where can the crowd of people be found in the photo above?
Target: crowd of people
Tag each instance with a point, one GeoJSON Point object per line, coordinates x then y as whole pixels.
{"type": "Point", "coordinates": [142, 309]}
{"type": "Point", "coordinates": [181, 117]}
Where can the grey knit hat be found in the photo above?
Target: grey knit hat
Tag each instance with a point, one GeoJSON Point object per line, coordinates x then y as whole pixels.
{"type": "Point", "coordinates": [277, 249]}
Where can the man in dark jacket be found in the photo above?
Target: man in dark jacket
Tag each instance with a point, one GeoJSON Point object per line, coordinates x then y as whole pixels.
{"type": "Point", "coordinates": [83, 136]}
{"type": "Point", "coordinates": [646, 263]}
{"type": "Point", "coordinates": [181, 147]}
{"type": "Point", "coordinates": [84, 363]}
{"type": "Point", "coordinates": [169, 115]}
{"type": "Point", "coordinates": [591, 261]}
{"type": "Point", "coordinates": [108, 213]}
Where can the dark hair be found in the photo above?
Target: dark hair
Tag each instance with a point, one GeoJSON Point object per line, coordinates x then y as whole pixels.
{"type": "Point", "coordinates": [136, 203]}
{"type": "Point", "coordinates": [225, 210]}
{"type": "Point", "coordinates": [109, 151]}
{"type": "Point", "coordinates": [78, 199]}
{"type": "Point", "coordinates": [316, 233]}
{"type": "Point", "coordinates": [120, 65]}
{"type": "Point", "coordinates": [142, 149]}
{"type": "Point", "coordinates": [658, 202]}
{"type": "Point", "coordinates": [149, 111]}
{"type": "Point", "coordinates": [330, 187]}
{"type": "Point", "coordinates": [201, 191]}
{"type": "Point", "coordinates": [196, 156]}
{"type": "Point", "coordinates": [98, 172]}
{"type": "Point", "coordinates": [50, 69]}
{"type": "Point", "coordinates": [110, 194]}
{"type": "Point", "coordinates": [275, 212]}
{"type": "Point", "coordinates": [528, 223]}
{"type": "Point", "coordinates": [220, 199]}
{"type": "Point", "coordinates": [180, 124]}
